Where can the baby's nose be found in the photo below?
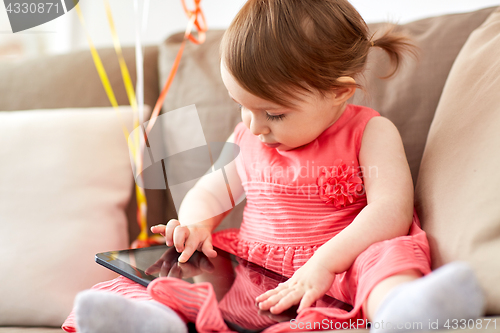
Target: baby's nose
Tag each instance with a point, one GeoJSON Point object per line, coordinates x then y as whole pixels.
{"type": "Point", "coordinates": [258, 126]}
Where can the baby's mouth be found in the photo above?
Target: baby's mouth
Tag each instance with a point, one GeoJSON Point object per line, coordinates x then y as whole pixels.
{"type": "Point", "coordinates": [272, 145]}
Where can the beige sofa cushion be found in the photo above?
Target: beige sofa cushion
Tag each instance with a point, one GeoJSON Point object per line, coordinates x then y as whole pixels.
{"type": "Point", "coordinates": [458, 188]}
{"type": "Point", "coordinates": [65, 181]}
{"type": "Point", "coordinates": [410, 99]}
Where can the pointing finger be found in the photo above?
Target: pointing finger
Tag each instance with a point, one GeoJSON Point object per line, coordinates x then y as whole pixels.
{"type": "Point", "coordinates": [158, 229]}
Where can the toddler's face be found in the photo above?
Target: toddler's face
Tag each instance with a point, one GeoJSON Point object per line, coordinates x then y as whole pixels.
{"type": "Point", "coordinates": [284, 128]}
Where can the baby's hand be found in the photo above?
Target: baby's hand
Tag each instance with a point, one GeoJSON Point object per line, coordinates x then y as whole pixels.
{"type": "Point", "coordinates": [308, 284]}
{"type": "Point", "coordinates": [186, 239]}
{"type": "Point", "coordinates": [168, 265]}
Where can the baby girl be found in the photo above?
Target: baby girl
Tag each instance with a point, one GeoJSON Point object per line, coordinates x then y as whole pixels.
{"type": "Point", "coordinates": [329, 191]}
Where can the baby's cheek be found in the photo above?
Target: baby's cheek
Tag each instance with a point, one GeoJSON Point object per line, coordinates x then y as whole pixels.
{"type": "Point", "coordinates": [297, 138]}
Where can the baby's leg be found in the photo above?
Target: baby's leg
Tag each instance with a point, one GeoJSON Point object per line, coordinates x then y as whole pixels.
{"type": "Point", "coordinates": [105, 312]}
{"type": "Point", "coordinates": [381, 290]}
{"type": "Point", "coordinates": [405, 302]}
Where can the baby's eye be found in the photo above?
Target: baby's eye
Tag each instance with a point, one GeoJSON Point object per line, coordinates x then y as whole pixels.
{"type": "Point", "coordinates": [275, 117]}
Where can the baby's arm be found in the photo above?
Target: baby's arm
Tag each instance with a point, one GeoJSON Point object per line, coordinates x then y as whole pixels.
{"type": "Point", "coordinates": [389, 193]}
{"type": "Point", "coordinates": [200, 213]}
{"type": "Point", "coordinates": [388, 214]}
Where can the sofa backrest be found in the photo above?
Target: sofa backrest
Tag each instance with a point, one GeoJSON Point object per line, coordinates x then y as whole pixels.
{"type": "Point", "coordinates": [71, 81]}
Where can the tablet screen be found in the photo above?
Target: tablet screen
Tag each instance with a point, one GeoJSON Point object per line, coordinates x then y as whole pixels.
{"type": "Point", "coordinates": [236, 282]}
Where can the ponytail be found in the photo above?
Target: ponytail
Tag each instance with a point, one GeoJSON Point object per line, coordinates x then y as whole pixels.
{"type": "Point", "coordinates": [396, 44]}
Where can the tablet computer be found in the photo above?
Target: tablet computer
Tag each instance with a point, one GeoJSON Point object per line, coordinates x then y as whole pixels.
{"type": "Point", "coordinates": [236, 281]}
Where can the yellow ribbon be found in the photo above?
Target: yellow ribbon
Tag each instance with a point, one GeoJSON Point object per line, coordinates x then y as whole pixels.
{"type": "Point", "coordinates": [142, 206]}
{"type": "Point", "coordinates": [135, 147]}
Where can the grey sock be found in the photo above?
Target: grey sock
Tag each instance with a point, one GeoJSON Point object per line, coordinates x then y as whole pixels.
{"type": "Point", "coordinates": [450, 292]}
{"type": "Point", "coordinates": [105, 312]}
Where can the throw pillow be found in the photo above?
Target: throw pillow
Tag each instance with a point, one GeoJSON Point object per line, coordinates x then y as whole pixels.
{"type": "Point", "coordinates": [65, 181]}
{"type": "Point", "coordinates": [457, 190]}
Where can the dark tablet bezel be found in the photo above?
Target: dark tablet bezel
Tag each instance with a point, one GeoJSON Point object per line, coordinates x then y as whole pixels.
{"type": "Point", "coordinates": [111, 261]}
{"type": "Point", "coordinates": [123, 268]}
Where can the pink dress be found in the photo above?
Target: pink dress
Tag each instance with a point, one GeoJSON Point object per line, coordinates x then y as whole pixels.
{"type": "Point", "coordinates": [296, 201]}
{"type": "Point", "coordinates": [286, 218]}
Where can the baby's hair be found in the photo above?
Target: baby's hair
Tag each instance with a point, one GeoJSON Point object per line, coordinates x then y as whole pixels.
{"type": "Point", "coordinates": [278, 49]}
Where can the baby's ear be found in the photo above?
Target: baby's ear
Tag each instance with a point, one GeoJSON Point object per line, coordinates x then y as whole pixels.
{"type": "Point", "coordinates": [341, 95]}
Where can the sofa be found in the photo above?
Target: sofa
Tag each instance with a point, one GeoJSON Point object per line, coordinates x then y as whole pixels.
{"type": "Point", "coordinates": [66, 184]}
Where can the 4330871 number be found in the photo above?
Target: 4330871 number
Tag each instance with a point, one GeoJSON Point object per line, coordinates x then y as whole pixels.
{"type": "Point", "coordinates": [25, 8]}
{"type": "Point", "coordinates": [478, 324]}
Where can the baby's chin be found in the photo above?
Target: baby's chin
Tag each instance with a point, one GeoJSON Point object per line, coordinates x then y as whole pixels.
{"type": "Point", "coordinates": [280, 146]}
{"type": "Point", "coordinates": [284, 147]}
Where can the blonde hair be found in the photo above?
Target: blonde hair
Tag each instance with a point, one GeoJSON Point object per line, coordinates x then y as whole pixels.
{"type": "Point", "coordinates": [278, 49]}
